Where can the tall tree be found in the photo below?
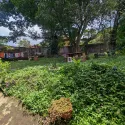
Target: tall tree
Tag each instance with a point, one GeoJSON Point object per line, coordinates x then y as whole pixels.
{"type": "Point", "coordinates": [121, 32]}
{"type": "Point", "coordinates": [24, 43]}
{"type": "Point", "coordinates": [68, 17]}
{"type": "Point", "coordinates": [13, 19]}
{"type": "Point", "coordinates": [119, 9]}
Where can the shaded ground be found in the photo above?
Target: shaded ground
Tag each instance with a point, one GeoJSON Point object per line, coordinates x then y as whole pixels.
{"type": "Point", "coordinates": [11, 113]}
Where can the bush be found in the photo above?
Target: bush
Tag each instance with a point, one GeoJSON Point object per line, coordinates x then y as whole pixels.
{"type": "Point", "coordinates": [4, 69]}
{"type": "Point", "coordinates": [100, 88]}
{"type": "Point", "coordinates": [96, 91]}
{"type": "Point", "coordinates": [32, 86]}
{"type": "Point", "coordinates": [38, 101]}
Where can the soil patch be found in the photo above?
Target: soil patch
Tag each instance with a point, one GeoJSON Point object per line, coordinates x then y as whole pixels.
{"type": "Point", "coordinates": [12, 113]}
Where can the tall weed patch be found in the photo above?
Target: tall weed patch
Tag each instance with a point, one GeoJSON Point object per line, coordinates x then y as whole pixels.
{"type": "Point", "coordinates": [97, 91]}
{"type": "Point", "coordinates": [4, 69]}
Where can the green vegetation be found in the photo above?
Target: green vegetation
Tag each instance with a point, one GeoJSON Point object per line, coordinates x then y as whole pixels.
{"type": "Point", "coordinates": [41, 61]}
{"type": "Point", "coordinates": [96, 89]}
{"type": "Point", "coordinates": [121, 32]}
{"type": "Point", "coordinates": [24, 43]}
{"type": "Point", "coordinates": [116, 61]}
{"type": "Point", "coordinates": [58, 18]}
{"type": "Point", "coordinates": [102, 37]}
{"type": "Point", "coordinates": [4, 68]}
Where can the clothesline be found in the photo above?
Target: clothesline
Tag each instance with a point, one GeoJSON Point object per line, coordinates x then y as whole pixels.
{"type": "Point", "coordinates": [11, 55]}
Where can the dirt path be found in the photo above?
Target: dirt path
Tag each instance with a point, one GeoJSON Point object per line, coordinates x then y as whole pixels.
{"type": "Point", "coordinates": [11, 113]}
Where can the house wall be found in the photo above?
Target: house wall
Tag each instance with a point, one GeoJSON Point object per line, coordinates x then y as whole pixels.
{"type": "Point", "coordinates": [64, 51]}
{"type": "Point", "coordinates": [44, 51]}
{"type": "Point", "coordinates": [96, 48]}
{"type": "Point", "coordinates": [92, 48]}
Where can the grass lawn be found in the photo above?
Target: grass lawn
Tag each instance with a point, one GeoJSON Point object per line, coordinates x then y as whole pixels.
{"type": "Point", "coordinates": [41, 61]}
{"type": "Point", "coordinates": [118, 61]}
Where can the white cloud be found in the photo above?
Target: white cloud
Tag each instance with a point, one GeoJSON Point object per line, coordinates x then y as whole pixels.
{"type": "Point", "coordinates": [12, 44]}
{"type": "Point", "coordinates": [32, 42]}
{"type": "Point", "coordinates": [35, 28]}
{"type": "Point", "coordinates": [4, 31]}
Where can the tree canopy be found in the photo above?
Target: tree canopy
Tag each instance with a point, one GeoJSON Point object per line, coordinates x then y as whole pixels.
{"type": "Point", "coordinates": [121, 32]}
{"type": "Point", "coordinates": [65, 18]}
{"type": "Point", "coordinates": [24, 43]}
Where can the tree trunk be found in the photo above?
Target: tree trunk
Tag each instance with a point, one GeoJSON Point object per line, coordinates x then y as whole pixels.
{"type": "Point", "coordinates": [77, 47]}
{"type": "Point", "coordinates": [114, 31]}
{"type": "Point", "coordinates": [106, 40]}
{"type": "Point", "coordinates": [86, 48]}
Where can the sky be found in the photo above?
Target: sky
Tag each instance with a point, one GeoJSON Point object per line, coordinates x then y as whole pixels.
{"type": "Point", "coordinates": [5, 32]}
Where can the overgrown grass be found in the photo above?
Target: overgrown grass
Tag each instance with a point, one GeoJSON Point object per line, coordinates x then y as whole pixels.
{"type": "Point", "coordinates": [96, 89]}
{"type": "Point", "coordinates": [118, 61]}
{"type": "Point", "coordinates": [41, 61]}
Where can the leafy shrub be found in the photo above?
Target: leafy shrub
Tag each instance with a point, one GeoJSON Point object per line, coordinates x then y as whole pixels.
{"type": "Point", "coordinates": [121, 51]}
{"type": "Point", "coordinates": [32, 86]}
{"type": "Point", "coordinates": [38, 101]}
{"type": "Point", "coordinates": [100, 67]}
{"type": "Point", "coordinates": [97, 91]}
{"type": "Point", "coordinates": [4, 68]}
{"type": "Point", "coordinates": [100, 88]}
